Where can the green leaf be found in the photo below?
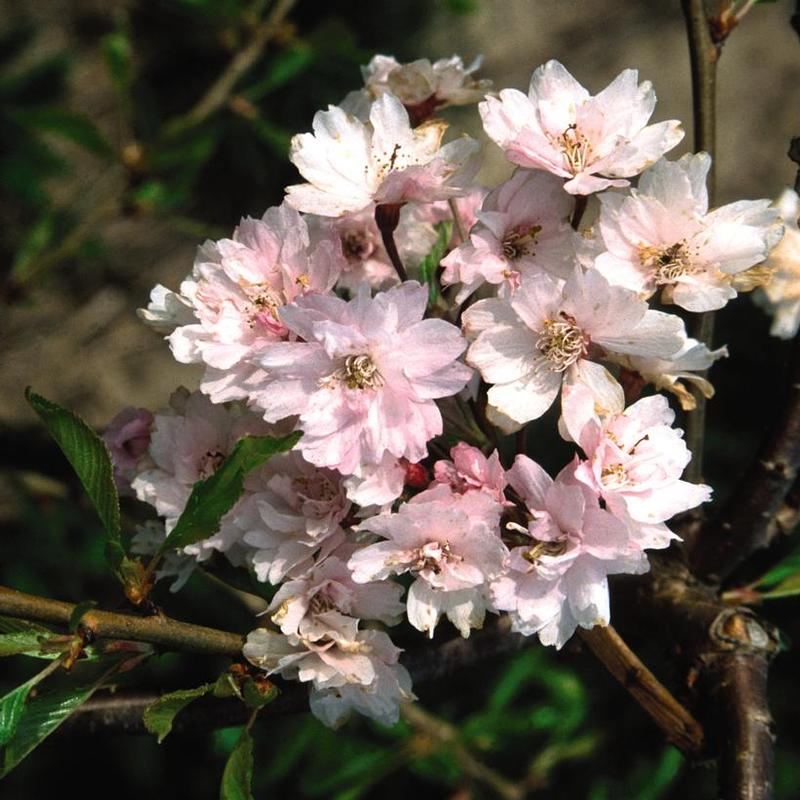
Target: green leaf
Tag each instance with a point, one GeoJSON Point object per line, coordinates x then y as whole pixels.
{"type": "Point", "coordinates": [13, 704]}
{"type": "Point", "coordinates": [213, 497]}
{"type": "Point", "coordinates": [22, 643]}
{"type": "Point", "coordinates": [89, 457]}
{"type": "Point", "coordinates": [237, 776]}
{"type": "Point", "coordinates": [40, 717]}
{"type": "Point", "coordinates": [284, 67]}
{"type": "Point", "coordinates": [118, 56]}
{"type": "Point", "coordinates": [70, 125]}
{"type": "Point", "coordinates": [784, 569]}
{"type": "Point", "coordinates": [258, 694]}
{"type": "Point", "coordinates": [35, 241]}
{"type": "Point", "coordinates": [430, 263]}
{"type": "Point", "coordinates": [159, 716]}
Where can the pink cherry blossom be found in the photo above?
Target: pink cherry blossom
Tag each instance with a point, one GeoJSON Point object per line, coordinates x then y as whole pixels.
{"type": "Point", "coordinates": [780, 297]}
{"type": "Point", "coordinates": [450, 543]}
{"type": "Point", "coordinates": [348, 669]}
{"type": "Point", "coordinates": [549, 332]}
{"type": "Point", "coordinates": [471, 471]}
{"type": "Point", "coordinates": [127, 437]}
{"type": "Point", "coordinates": [350, 164]}
{"type": "Point", "coordinates": [523, 228]}
{"type": "Point", "coordinates": [237, 289]}
{"type": "Point", "coordinates": [365, 378]}
{"type": "Point", "coordinates": [187, 444]}
{"type": "Point", "coordinates": [635, 458]}
{"type": "Point", "coordinates": [559, 579]}
{"type": "Point", "coordinates": [291, 512]}
{"type": "Point", "coordinates": [592, 141]}
{"type": "Point", "coordinates": [663, 237]}
{"type": "Point", "coordinates": [300, 604]}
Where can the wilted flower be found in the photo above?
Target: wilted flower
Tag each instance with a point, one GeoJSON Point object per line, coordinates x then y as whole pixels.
{"type": "Point", "coordinates": [592, 141]}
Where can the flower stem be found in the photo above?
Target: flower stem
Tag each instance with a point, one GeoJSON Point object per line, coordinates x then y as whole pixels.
{"type": "Point", "coordinates": [703, 54]}
{"type": "Point", "coordinates": [580, 207]}
{"type": "Point", "coordinates": [462, 234]}
{"type": "Point", "coordinates": [387, 217]}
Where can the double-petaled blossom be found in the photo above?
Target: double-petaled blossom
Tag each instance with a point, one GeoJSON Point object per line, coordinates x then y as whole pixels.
{"type": "Point", "coordinates": [302, 604]}
{"type": "Point", "coordinates": [548, 332]}
{"type": "Point", "coordinates": [469, 470]}
{"type": "Point", "coordinates": [350, 164]}
{"type": "Point", "coordinates": [365, 377]}
{"type": "Point", "coordinates": [421, 86]}
{"type": "Point", "coordinates": [781, 294]}
{"type": "Point", "coordinates": [237, 289]}
{"type": "Point", "coordinates": [450, 543]}
{"type": "Point", "coordinates": [290, 513]}
{"type": "Point", "coordinates": [127, 437]}
{"type": "Point", "coordinates": [592, 141]}
{"type": "Point", "coordinates": [187, 444]}
{"type": "Point", "coordinates": [348, 669]}
{"type": "Point", "coordinates": [523, 229]}
{"type": "Point", "coordinates": [662, 237]}
{"type": "Point", "coordinates": [634, 461]}
{"type": "Point", "coordinates": [558, 578]}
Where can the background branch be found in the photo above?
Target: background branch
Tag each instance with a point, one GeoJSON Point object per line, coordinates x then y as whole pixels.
{"type": "Point", "coordinates": [703, 55]}
{"type": "Point", "coordinates": [748, 522]}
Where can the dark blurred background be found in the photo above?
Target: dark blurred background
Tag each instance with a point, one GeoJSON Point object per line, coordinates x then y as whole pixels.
{"type": "Point", "coordinates": [107, 185]}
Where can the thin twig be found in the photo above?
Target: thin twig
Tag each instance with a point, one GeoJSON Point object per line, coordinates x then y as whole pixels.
{"type": "Point", "coordinates": [747, 523]}
{"type": "Point", "coordinates": [220, 91]}
{"type": "Point", "coordinates": [158, 630]}
{"type": "Point", "coordinates": [447, 737]}
{"type": "Point", "coordinates": [679, 726]}
{"type": "Point", "coordinates": [703, 54]}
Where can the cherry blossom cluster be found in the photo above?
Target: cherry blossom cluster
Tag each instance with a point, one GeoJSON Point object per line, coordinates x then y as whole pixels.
{"type": "Point", "coordinates": [403, 499]}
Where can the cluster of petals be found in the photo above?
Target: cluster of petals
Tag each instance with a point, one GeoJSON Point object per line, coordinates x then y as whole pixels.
{"type": "Point", "coordinates": [594, 142]}
{"type": "Point", "coordinates": [450, 543]}
{"type": "Point", "coordinates": [550, 332]}
{"type": "Point", "coordinates": [301, 322]}
{"type": "Point", "coordinates": [557, 578]}
{"type": "Point", "coordinates": [350, 164]}
{"type": "Point", "coordinates": [365, 377]}
{"type": "Point", "coordinates": [421, 86]}
{"type": "Point", "coordinates": [523, 229]}
{"type": "Point", "coordinates": [662, 237]}
{"type": "Point", "coordinates": [236, 291]}
{"type": "Point", "coordinates": [781, 294]}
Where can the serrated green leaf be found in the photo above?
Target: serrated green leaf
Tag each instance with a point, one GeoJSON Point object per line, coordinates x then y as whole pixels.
{"type": "Point", "coordinates": [13, 704]}
{"type": "Point", "coordinates": [89, 457]}
{"type": "Point", "coordinates": [159, 716]}
{"type": "Point", "coordinates": [22, 643]}
{"type": "Point", "coordinates": [237, 776]}
{"type": "Point", "coordinates": [70, 125]}
{"type": "Point", "coordinates": [213, 497]}
{"type": "Point", "coordinates": [430, 263]}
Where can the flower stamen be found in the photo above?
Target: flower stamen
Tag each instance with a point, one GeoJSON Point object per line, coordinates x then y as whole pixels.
{"type": "Point", "coordinates": [562, 343]}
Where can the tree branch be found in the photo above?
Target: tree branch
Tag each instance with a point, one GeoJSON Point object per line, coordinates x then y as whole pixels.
{"type": "Point", "coordinates": [747, 523]}
{"type": "Point", "coordinates": [703, 55]}
{"type": "Point", "coordinates": [158, 630]}
{"type": "Point", "coordinates": [728, 651]}
{"type": "Point", "coordinates": [220, 91]}
{"type": "Point", "coordinates": [679, 726]}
